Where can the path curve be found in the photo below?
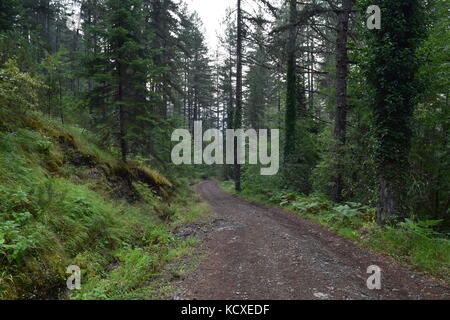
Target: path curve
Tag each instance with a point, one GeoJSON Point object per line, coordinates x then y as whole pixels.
{"type": "Point", "coordinates": [258, 252]}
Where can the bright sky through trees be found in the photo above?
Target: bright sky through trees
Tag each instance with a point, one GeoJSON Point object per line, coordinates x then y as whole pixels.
{"type": "Point", "coordinates": [212, 12]}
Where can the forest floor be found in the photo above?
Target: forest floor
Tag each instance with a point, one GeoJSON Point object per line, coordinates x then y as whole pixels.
{"type": "Point", "coordinates": [252, 251]}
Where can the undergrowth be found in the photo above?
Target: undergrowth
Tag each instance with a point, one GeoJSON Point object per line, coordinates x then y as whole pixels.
{"type": "Point", "coordinates": [56, 212]}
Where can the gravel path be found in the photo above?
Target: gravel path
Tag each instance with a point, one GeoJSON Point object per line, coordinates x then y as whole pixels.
{"type": "Point", "coordinates": [257, 252]}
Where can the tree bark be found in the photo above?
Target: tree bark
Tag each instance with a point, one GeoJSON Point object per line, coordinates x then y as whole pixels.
{"type": "Point", "coordinates": [340, 129]}
{"type": "Point", "coordinates": [238, 110]}
{"type": "Point", "coordinates": [291, 82]}
{"type": "Point", "coordinates": [391, 197]}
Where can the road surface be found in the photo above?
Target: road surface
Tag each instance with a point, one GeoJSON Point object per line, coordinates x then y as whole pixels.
{"type": "Point", "coordinates": [257, 252]}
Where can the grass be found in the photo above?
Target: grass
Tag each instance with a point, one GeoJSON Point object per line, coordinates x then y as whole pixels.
{"type": "Point", "coordinates": [414, 244]}
{"type": "Point", "coordinates": [138, 271]}
{"type": "Point", "coordinates": [86, 143]}
{"type": "Point", "coordinates": [52, 215]}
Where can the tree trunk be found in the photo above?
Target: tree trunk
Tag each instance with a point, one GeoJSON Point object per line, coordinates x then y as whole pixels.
{"type": "Point", "coordinates": [238, 111]}
{"type": "Point", "coordinates": [343, 16]}
{"type": "Point", "coordinates": [122, 117]}
{"type": "Point", "coordinates": [391, 196]}
{"type": "Point", "coordinates": [392, 70]}
{"type": "Point", "coordinates": [291, 94]}
{"type": "Point", "coordinates": [229, 169]}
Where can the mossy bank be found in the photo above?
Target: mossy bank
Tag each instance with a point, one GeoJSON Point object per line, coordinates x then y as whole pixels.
{"type": "Point", "coordinates": [65, 201]}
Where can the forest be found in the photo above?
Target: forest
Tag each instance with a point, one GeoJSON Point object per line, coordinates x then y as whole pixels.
{"type": "Point", "coordinates": [92, 90]}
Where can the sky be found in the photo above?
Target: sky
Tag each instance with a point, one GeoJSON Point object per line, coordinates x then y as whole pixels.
{"type": "Point", "coordinates": [211, 12]}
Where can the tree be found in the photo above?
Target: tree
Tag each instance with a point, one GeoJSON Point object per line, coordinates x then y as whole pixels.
{"type": "Point", "coordinates": [119, 67]}
{"type": "Point", "coordinates": [342, 66]}
{"type": "Point", "coordinates": [160, 17]}
{"type": "Point", "coordinates": [9, 11]}
{"type": "Point", "coordinates": [291, 83]}
{"type": "Point", "coordinates": [227, 78]}
{"type": "Point", "coordinates": [238, 110]}
{"type": "Point", "coordinates": [258, 83]}
{"type": "Point", "coordinates": [392, 68]}
{"type": "Point", "coordinates": [55, 78]}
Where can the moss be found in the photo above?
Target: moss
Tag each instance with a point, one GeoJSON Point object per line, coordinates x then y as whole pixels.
{"type": "Point", "coordinates": [78, 149]}
{"type": "Point", "coordinates": [154, 176]}
{"type": "Point", "coordinates": [134, 171]}
{"type": "Point", "coordinates": [57, 209]}
{"type": "Point", "coordinates": [105, 167]}
{"type": "Point", "coordinates": [54, 160]}
{"type": "Point", "coordinates": [48, 129]}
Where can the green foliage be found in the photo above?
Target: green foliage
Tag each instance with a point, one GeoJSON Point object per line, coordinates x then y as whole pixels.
{"type": "Point", "coordinates": [346, 219]}
{"type": "Point", "coordinates": [52, 219]}
{"type": "Point", "coordinates": [139, 263]}
{"type": "Point", "coordinates": [254, 182]}
{"type": "Point", "coordinates": [416, 244]}
{"type": "Point", "coordinates": [13, 245]}
{"type": "Point", "coordinates": [15, 47]}
{"type": "Point", "coordinates": [18, 93]}
{"type": "Point", "coordinates": [302, 161]}
{"type": "Point", "coordinates": [136, 276]}
{"type": "Point", "coordinates": [391, 69]}
{"type": "Point", "coordinates": [9, 10]}
{"type": "Point", "coordinates": [56, 79]}
{"type": "Point", "coordinates": [392, 65]}
{"type": "Point", "coordinates": [428, 190]}
{"type": "Point", "coordinates": [120, 75]}
{"type": "Point", "coordinates": [148, 60]}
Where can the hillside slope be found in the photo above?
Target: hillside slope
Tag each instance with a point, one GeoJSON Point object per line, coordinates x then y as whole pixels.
{"type": "Point", "coordinates": [65, 201]}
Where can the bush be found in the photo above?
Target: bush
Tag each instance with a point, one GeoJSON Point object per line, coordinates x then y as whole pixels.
{"type": "Point", "coordinates": [18, 93]}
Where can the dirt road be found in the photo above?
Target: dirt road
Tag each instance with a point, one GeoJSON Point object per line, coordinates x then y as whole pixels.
{"type": "Point", "coordinates": [256, 252]}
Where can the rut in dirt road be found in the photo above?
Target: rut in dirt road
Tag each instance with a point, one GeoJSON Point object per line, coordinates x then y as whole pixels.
{"type": "Point", "coordinates": [256, 252]}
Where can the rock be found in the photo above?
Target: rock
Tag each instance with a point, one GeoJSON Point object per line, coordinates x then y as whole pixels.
{"type": "Point", "coordinates": [321, 295]}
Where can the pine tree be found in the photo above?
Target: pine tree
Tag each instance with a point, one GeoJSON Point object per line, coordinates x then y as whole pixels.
{"type": "Point", "coordinates": [238, 110]}
{"type": "Point", "coordinates": [120, 68]}
{"type": "Point", "coordinates": [9, 11]}
{"type": "Point", "coordinates": [259, 83]}
{"type": "Point", "coordinates": [291, 82]}
{"type": "Point", "coordinates": [342, 67]}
